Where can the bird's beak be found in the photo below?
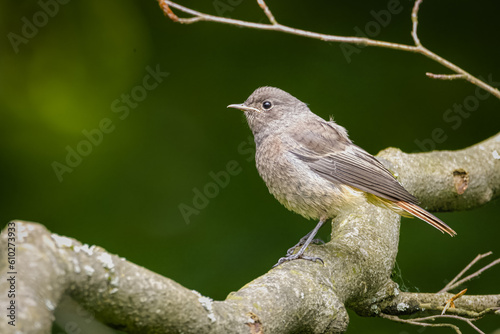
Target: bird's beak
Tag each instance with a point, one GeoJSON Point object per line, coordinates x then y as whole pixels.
{"type": "Point", "coordinates": [243, 107]}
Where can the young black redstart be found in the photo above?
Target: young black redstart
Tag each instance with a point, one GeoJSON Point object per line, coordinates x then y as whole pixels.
{"type": "Point", "coordinates": [312, 167]}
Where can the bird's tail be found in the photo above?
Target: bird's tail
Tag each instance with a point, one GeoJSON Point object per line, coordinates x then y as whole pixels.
{"type": "Point", "coordinates": [425, 216]}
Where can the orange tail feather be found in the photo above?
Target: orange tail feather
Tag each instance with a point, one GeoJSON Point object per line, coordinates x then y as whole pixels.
{"type": "Point", "coordinates": [426, 216]}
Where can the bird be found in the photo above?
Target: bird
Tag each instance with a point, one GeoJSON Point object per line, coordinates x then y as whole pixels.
{"type": "Point", "coordinates": [312, 167]}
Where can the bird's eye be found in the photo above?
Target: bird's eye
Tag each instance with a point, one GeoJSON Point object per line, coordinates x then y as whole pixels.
{"type": "Point", "coordinates": [267, 105]}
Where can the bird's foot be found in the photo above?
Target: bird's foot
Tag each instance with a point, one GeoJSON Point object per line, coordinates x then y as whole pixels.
{"type": "Point", "coordinates": [301, 242]}
{"type": "Point", "coordinates": [298, 256]}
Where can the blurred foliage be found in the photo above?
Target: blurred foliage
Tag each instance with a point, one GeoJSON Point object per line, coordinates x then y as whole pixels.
{"type": "Point", "coordinates": [124, 193]}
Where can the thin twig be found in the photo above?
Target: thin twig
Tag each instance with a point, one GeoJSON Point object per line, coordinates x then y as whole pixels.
{"type": "Point", "coordinates": [414, 19]}
{"type": "Point", "coordinates": [267, 11]}
{"type": "Point", "coordinates": [455, 282]}
{"type": "Point", "coordinates": [477, 273]}
{"type": "Point", "coordinates": [417, 322]}
{"type": "Point", "coordinates": [421, 321]}
{"type": "Point", "coordinates": [451, 301]}
{"type": "Point", "coordinates": [417, 48]}
{"type": "Point", "coordinates": [279, 27]}
{"type": "Point", "coordinates": [428, 307]}
{"type": "Point", "coordinates": [467, 267]}
{"type": "Point", "coordinates": [474, 327]}
{"type": "Point", "coordinates": [445, 76]}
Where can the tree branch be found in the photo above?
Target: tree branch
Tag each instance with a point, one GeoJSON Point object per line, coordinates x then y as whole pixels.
{"type": "Point", "coordinates": [408, 303]}
{"type": "Point", "coordinates": [296, 296]}
{"type": "Point", "coordinates": [467, 309]}
{"type": "Point", "coordinates": [449, 180]}
{"type": "Point", "coordinates": [275, 26]}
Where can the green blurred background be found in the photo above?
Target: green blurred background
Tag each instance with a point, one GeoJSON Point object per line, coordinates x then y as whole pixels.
{"type": "Point", "coordinates": [125, 194]}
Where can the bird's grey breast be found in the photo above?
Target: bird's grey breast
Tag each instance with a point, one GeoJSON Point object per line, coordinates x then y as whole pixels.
{"type": "Point", "coordinates": [291, 180]}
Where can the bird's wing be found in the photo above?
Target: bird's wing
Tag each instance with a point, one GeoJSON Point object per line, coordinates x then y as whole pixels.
{"type": "Point", "coordinates": [327, 150]}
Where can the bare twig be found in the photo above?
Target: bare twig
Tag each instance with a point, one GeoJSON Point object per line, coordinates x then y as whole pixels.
{"type": "Point", "coordinates": [417, 322]}
{"type": "Point", "coordinates": [467, 267]}
{"type": "Point", "coordinates": [477, 273]}
{"type": "Point", "coordinates": [422, 321]}
{"type": "Point", "coordinates": [267, 11]}
{"type": "Point", "coordinates": [474, 327]}
{"type": "Point", "coordinates": [467, 306]}
{"type": "Point", "coordinates": [455, 282]}
{"type": "Point", "coordinates": [451, 301]}
{"type": "Point", "coordinates": [414, 19]}
{"type": "Point", "coordinates": [168, 12]}
{"type": "Point", "coordinates": [274, 26]}
{"type": "Point", "coordinates": [445, 76]}
{"type": "Point", "coordinates": [198, 16]}
{"type": "Point", "coordinates": [457, 311]}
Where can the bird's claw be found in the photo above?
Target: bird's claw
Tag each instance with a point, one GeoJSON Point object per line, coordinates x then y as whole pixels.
{"type": "Point", "coordinates": [291, 250]}
{"type": "Point", "coordinates": [298, 256]}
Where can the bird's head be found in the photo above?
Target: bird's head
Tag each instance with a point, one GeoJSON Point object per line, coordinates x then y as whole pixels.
{"type": "Point", "coordinates": [271, 108]}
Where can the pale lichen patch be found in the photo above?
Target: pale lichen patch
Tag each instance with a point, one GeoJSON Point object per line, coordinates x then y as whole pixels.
{"type": "Point", "coordinates": [61, 241]}
{"type": "Point", "coordinates": [206, 302]}
{"type": "Point", "coordinates": [89, 271]}
{"type": "Point", "coordinates": [401, 307]}
{"type": "Point", "coordinates": [106, 260]}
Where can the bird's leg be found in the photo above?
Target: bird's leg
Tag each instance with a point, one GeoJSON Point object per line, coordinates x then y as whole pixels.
{"type": "Point", "coordinates": [300, 254]}
{"type": "Point", "coordinates": [302, 241]}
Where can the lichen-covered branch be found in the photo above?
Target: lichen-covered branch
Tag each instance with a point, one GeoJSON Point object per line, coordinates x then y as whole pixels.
{"type": "Point", "coordinates": [449, 180]}
{"type": "Point", "coordinates": [298, 296]}
{"type": "Point", "coordinates": [295, 296]}
{"type": "Point", "coordinates": [407, 303]}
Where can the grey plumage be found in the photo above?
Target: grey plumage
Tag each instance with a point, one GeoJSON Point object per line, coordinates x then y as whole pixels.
{"type": "Point", "coordinates": [312, 167]}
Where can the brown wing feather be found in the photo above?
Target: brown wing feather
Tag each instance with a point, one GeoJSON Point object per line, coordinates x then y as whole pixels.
{"type": "Point", "coordinates": [332, 155]}
{"type": "Point", "coordinates": [329, 152]}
